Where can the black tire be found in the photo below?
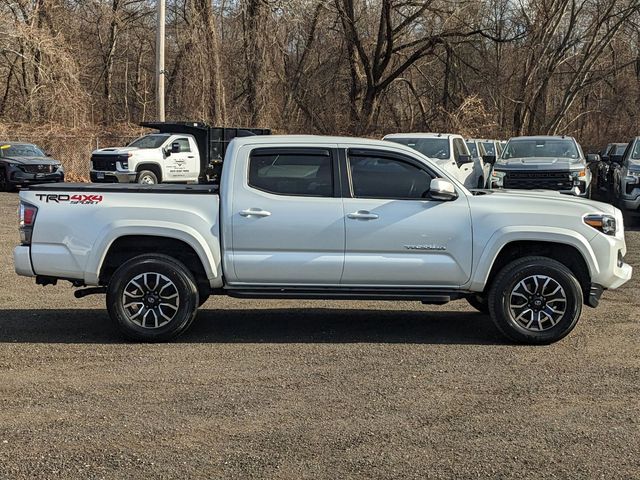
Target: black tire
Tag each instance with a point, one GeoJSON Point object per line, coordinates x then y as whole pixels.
{"type": "Point", "coordinates": [147, 177]}
{"type": "Point", "coordinates": [507, 287]}
{"type": "Point", "coordinates": [179, 280]}
{"type": "Point", "coordinates": [479, 302]}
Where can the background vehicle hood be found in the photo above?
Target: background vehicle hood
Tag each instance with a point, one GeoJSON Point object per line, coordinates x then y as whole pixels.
{"type": "Point", "coordinates": [539, 163]}
{"type": "Point", "coordinates": [117, 150]}
{"type": "Point", "coordinates": [31, 160]}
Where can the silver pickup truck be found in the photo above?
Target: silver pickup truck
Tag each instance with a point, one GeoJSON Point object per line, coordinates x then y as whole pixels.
{"type": "Point", "coordinates": [324, 218]}
{"type": "Point", "coordinates": [543, 162]}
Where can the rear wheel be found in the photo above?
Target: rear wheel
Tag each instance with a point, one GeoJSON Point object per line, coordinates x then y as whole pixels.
{"type": "Point", "coordinates": [535, 300]}
{"type": "Point", "coordinates": [152, 298]}
{"type": "Point", "coordinates": [147, 177]}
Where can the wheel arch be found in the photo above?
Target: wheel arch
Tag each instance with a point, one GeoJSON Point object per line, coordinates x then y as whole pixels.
{"type": "Point", "coordinates": [568, 248]}
{"type": "Point", "coordinates": [183, 243]}
{"type": "Point", "coordinates": [152, 166]}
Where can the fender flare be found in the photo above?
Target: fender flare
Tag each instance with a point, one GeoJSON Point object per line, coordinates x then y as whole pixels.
{"type": "Point", "coordinates": [506, 235]}
{"type": "Point", "coordinates": [208, 254]}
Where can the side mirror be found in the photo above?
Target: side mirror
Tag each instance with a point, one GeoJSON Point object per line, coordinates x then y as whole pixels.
{"type": "Point", "coordinates": [593, 157]}
{"type": "Point", "coordinates": [167, 152]}
{"type": "Point", "coordinates": [490, 159]}
{"type": "Point", "coordinates": [464, 159]}
{"type": "Point", "coordinates": [441, 189]}
{"type": "Point", "coordinates": [175, 147]}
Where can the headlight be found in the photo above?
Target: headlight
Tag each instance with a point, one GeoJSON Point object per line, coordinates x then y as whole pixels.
{"type": "Point", "coordinates": [579, 173]}
{"type": "Point", "coordinates": [498, 174]}
{"type": "Point", "coordinates": [604, 223]}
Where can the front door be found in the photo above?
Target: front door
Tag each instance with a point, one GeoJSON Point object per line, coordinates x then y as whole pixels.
{"type": "Point", "coordinates": [183, 165]}
{"type": "Point", "coordinates": [396, 235]}
{"type": "Point", "coordinates": [287, 218]}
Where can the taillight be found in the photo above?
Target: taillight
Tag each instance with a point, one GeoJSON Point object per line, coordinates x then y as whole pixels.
{"type": "Point", "coordinates": [28, 214]}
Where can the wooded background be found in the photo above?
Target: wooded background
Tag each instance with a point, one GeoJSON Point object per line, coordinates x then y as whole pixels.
{"type": "Point", "coordinates": [490, 68]}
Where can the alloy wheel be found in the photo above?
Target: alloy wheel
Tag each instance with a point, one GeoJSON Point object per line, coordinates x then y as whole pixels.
{"type": "Point", "coordinates": [537, 303]}
{"type": "Point", "coordinates": [150, 300]}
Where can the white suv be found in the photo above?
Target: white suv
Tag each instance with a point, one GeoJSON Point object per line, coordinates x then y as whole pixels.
{"type": "Point", "coordinates": [450, 152]}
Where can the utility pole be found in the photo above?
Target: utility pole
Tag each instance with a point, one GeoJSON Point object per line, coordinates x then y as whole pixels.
{"type": "Point", "coordinates": [160, 60]}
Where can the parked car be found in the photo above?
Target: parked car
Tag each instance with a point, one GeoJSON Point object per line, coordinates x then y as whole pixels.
{"type": "Point", "coordinates": [602, 170]}
{"type": "Point", "coordinates": [450, 152]}
{"type": "Point", "coordinates": [543, 162]}
{"type": "Point", "coordinates": [181, 152]}
{"type": "Point", "coordinates": [626, 178]}
{"type": "Point", "coordinates": [493, 147]}
{"type": "Point", "coordinates": [324, 217]}
{"type": "Point", "coordinates": [25, 164]}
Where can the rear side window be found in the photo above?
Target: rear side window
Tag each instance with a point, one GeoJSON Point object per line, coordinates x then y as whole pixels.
{"type": "Point", "coordinates": [305, 173]}
{"type": "Point", "coordinates": [381, 177]}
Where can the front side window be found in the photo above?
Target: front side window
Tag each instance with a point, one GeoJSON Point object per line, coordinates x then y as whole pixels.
{"type": "Point", "coordinates": [298, 174]}
{"type": "Point", "coordinates": [184, 144]}
{"type": "Point", "coordinates": [149, 141]}
{"type": "Point", "coordinates": [489, 147]}
{"type": "Point", "coordinates": [380, 177]}
{"type": "Point", "coordinates": [462, 154]}
{"type": "Point", "coordinates": [546, 148]}
{"type": "Point", "coordinates": [430, 147]}
{"type": "Point", "coordinates": [472, 148]}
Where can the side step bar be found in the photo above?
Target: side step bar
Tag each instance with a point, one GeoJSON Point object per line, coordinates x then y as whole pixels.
{"type": "Point", "coordinates": [437, 297]}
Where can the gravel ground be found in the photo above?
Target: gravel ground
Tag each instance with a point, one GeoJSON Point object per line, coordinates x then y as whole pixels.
{"type": "Point", "coordinates": [312, 389]}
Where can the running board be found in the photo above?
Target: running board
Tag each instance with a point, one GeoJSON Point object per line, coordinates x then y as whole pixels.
{"type": "Point", "coordinates": [438, 297]}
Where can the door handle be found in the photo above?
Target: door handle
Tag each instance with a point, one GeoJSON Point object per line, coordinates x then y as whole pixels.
{"type": "Point", "coordinates": [362, 215]}
{"type": "Point", "coordinates": [254, 212]}
{"type": "Point", "coordinates": [191, 156]}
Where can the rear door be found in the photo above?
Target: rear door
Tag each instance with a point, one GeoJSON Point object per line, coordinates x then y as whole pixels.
{"type": "Point", "coordinates": [396, 235]}
{"type": "Point", "coordinates": [287, 218]}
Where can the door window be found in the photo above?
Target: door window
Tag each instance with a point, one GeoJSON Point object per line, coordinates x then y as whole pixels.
{"type": "Point", "coordinates": [381, 177]}
{"type": "Point", "coordinates": [285, 173]}
{"type": "Point", "coordinates": [461, 152]}
{"type": "Point", "coordinates": [184, 144]}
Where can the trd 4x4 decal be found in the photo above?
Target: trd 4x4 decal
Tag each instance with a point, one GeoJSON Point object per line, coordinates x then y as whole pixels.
{"type": "Point", "coordinates": [76, 199]}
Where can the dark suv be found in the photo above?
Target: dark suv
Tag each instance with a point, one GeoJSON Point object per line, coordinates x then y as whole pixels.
{"type": "Point", "coordinates": [25, 164]}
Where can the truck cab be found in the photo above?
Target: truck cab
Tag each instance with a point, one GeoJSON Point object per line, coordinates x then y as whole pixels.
{"type": "Point", "coordinates": [180, 152]}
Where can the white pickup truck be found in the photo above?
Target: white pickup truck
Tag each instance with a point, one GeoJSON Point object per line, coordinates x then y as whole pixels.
{"type": "Point", "coordinates": [324, 218]}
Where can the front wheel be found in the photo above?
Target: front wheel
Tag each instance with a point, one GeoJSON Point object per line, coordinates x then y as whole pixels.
{"type": "Point", "coordinates": [152, 298]}
{"type": "Point", "coordinates": [535, 300]}
{"type": "Point", "coordinates": [147, 177]}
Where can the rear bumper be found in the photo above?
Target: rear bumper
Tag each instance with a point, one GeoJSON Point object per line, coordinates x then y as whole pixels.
{"type": "Point", "coordinates": [22, 261]}
{"type": "Point", "coordinates": [112, 177]}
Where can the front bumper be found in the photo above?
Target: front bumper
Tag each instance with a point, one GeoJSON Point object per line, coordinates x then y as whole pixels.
{"type": "Point", "coordinates": [22, 261]}
{"type": "Point", "coordinates": [98, 176]}
{"type": "Point", "coordinates": [630, 200]}
{"type": "Point", "coordinates": [611, 270]}
{"type": "Point", "coordinates": [19, 177]}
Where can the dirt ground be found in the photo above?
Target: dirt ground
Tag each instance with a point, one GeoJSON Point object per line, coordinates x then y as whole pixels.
{"type": "Point", "coordinates": [312, 389]}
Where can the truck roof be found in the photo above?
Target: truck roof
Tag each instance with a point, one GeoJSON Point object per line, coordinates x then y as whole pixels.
{"type": "Point", "coordinates": [320, 140]}
{"type": "Point", "coordinates": [422, 135]}
{"type": "Point", "coordinates": [542, 137]}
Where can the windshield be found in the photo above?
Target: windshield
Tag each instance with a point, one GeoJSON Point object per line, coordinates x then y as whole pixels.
{"type": "Point", "coordinates": [431, 147]}
{"type": "Point", "coordinates": [20, 150]}
{"type": "Point", "coordinates": [150, 141]}
{"type": "Point", "coordinates": [489, 147]}
{"type": "Point", "coordinates": [473, 149]}
{"type": "Point", "coordinates": [618, 149]}
{"type": "Point", "coordinates": [548, 148]}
